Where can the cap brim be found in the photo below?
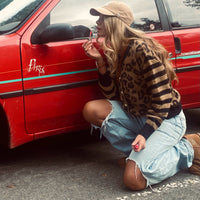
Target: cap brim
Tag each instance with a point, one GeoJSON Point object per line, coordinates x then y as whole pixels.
{"type": "Point", "coordinates": [98, 11]}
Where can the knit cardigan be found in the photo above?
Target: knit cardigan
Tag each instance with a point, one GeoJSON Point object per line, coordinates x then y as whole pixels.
{"type": "Point", "coordinates": [143, 87]}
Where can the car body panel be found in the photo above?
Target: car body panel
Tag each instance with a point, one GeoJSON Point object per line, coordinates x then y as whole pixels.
{"type": "Point", "coordinates": [11, 89]}
{"type": "Point", "coordinates": [188, 66]}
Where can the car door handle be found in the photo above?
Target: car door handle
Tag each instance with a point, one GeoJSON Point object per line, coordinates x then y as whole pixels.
{"type": "Point", "coordinates": [177, 43]}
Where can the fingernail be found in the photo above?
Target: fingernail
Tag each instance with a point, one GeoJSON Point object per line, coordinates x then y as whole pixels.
{"type": "Point", "coordinates": [136, 146]}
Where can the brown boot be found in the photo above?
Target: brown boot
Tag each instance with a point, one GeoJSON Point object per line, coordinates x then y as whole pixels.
{"type": "Point", "coordinates": [194, 139]}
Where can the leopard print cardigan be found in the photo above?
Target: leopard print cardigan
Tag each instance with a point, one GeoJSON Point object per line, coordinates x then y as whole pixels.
{"type": "Point", "coordinates": [143, 87]}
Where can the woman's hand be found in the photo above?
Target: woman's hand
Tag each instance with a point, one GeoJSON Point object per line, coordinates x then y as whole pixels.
{"type": "Point", "coordinates": [91, 51]}
{"type": "Point", "coordinates": [139, 143]}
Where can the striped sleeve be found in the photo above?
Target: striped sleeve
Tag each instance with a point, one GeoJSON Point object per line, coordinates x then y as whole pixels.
{"type": "Point", "coordinates": [159, 88]}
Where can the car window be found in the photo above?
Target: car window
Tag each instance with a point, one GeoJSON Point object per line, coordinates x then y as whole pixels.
{"type": "Point", "coordinates": [14, 12]}
{"type": "Point", "coordinates": [146, 16]}
{"type": "Point", "coordinates": [183, 13]}
{"type": "Point", "coordinates": [76, 17]}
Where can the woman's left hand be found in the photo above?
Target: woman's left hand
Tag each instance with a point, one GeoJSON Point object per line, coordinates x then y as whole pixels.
{"type": "Point", "coordinates": [139, 143]}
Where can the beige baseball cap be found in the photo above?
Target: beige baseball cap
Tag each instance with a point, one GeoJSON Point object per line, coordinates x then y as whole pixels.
{"type": "Point", "coordinates": [116, 9]}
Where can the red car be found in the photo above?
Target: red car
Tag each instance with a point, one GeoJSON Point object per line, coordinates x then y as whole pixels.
{"type": "Point", "coordinates": [45, 76]}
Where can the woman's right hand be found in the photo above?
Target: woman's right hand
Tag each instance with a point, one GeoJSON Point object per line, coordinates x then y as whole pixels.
{"type": "Point", "coordinates": [91, 51]}
{"type": "Point", "coordinates": [139, 143]}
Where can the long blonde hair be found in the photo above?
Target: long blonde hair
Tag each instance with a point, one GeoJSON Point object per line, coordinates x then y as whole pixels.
{"type": "Point", "coordinates": [118, 35]}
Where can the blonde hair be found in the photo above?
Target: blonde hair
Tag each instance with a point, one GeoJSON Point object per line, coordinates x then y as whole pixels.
{"type": "Point", "coordinates": [118, 35]}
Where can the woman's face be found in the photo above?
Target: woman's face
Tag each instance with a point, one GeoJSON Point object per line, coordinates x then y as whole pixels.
{"type": "Point", "coordinates": [100, 26]}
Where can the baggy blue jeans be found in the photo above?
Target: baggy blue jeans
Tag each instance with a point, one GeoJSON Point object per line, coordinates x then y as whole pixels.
{"type": "Point", "coordinates": [166, 151]}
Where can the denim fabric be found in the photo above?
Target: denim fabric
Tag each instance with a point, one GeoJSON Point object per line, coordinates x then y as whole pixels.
{"type": "Point", "coordinates": [166, 151]}
{"type": "Point", "coordinates": [121, 128]}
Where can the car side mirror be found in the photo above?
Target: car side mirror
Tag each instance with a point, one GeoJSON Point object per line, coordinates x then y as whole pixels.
{"type": "Point", "coordinates": [56, 33]}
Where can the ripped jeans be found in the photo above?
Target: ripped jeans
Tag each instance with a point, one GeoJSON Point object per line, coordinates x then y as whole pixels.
{"type": "Point", "coordinates": [166, 151]}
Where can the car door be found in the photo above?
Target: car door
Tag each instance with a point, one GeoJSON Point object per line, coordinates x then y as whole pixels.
{"type": "Point", "coordinates": [184, 19]}
{"type": "Point", "coordinates": [58, 78]}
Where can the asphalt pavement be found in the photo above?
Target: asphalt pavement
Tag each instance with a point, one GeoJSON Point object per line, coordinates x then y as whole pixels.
{"type": "Point", "coordinates": [78, 166]}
